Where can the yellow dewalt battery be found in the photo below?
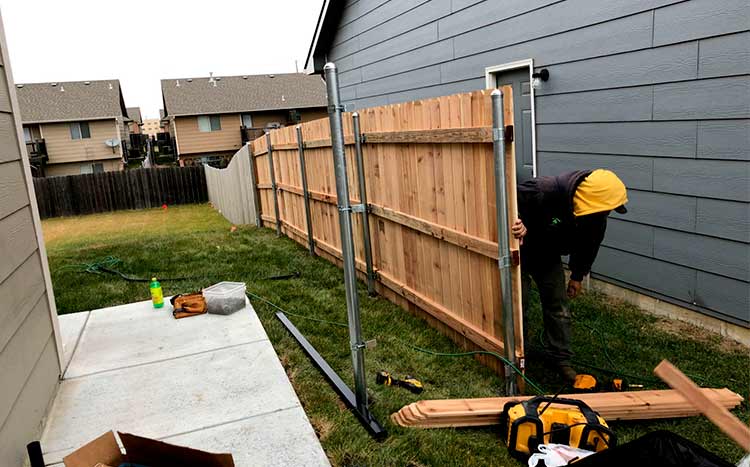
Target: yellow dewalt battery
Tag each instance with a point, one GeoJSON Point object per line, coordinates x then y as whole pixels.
{"type": "Point", "coordinates": [543, 420]}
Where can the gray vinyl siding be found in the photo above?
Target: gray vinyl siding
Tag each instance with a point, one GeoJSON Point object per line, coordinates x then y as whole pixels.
{"type": "Point", "coordinates": [29, 362]}
{"type": "Point", "coordinates": [657, 90]}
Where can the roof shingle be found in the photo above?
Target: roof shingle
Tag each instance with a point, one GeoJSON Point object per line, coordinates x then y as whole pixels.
{"type": "Point", "coordinates": [70, 101]}
{"type": "Point", "coordinates": [134, 113]}
{"type": "Point", "coordinates": [248, 93]}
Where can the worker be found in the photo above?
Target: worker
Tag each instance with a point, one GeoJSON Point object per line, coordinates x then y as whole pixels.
{"type": "Point", "coordinates": [563, 215]}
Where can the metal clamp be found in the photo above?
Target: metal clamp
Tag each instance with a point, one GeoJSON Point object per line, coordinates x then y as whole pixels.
{"type": "Point", "coordinates": [504, 262]}
{"type": "Point", "coordinates": [498, 134]}
{"type": "Point", "coordinates": [334, 108]}
{"type": "Point", "coordinates": [358, 208]}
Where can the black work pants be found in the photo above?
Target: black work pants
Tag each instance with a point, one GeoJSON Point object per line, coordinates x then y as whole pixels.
{"type": "Point", "coordinates": [550, 281]}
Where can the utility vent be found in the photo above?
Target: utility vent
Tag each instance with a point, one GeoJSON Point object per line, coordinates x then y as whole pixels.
{"type": "Point", "coordinates": [190, 80]}
{"type": "Point", "coordinates": [271, 76]}
{"type": "Point", "coordinates": [53, 84]}
{"type": "Point", "coordinates": [110, 86]}
{"type": "Point", "coordinates": [244, 76]}
{"type": "Point", "coordinates": [87, 83]}
{"type": "Point", "coordinates": [177, 83]}
{"type": "Point", "coordinates": [62, 89]}
{"type": "Point", "coordinates": [19, 86]}
{"type": "Point", "coordinates": [218, 79]}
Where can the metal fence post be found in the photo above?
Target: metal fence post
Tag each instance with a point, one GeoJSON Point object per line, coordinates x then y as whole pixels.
{"type": "Point", "coordinates": [254, 185]}
{"type": "Point", "coordinates": [347, 240]}
{"type": "Point", "coordinates": [503, 240]}
{"type": "Point", "coordinates": [273, 184]}
{"type": "Point", "coordinates": [363, 200]}
{"type": "Point", "coordinates": [305, 192]}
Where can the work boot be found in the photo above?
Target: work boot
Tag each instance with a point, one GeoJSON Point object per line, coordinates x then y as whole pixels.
{"type": "Point", "coordinates": [567, 373]}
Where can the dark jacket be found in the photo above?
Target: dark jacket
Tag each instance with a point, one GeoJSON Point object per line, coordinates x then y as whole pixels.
{"type": "Point", "coordinates": [545, 206]}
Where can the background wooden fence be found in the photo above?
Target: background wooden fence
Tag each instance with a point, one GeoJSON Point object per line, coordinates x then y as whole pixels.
{"type": "Point", "coordinates": [230, 190]}
{"type": "Point", "coordinates": [431, 195]}
{"type": "Point", "coordinates": [110, 191]}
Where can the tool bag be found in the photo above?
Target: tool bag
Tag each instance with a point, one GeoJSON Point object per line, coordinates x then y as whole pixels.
{"type": "Point", "coordinates": [544, 420]}
{"type": "Point", "coordinates": [188, 304]}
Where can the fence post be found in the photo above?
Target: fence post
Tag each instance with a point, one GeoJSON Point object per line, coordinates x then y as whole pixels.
{"type": "Point", "coordinates": [347, 240]}
{"type": "Point", "coordinates": [254, 185]}
{"type": "Point", "coordinates": [363, 200]}
{"type": "Point", "coordinates": [305, 192]}
{"type": "Point", "coordinates": [503, 240]}
{"type": "Point", "coordinates": [273, 184]}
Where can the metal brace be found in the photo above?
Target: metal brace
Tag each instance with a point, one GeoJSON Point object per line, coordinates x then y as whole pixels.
{"type": "Point", "coordinates": [498, 134]}
{"type": "Point", "coordinates": [358, 208]}
{"type": "Point", "coordinates": [333, 108]}
{"type": "Point", "coordinates": [504, 262]}
{"type": "Point", "coordinates": [363, 138]}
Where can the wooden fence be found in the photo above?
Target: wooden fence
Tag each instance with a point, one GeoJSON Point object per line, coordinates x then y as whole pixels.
{"type": "Point", "coordinates": [231, 190]}
{"type": "Point", "coordinates": [431, 195]}
{"type": "Point", "coordinates": [110, 191]}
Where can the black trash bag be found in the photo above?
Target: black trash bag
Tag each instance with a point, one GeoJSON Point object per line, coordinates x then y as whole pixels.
{"type": "Point", "coordinates": [656, 449]}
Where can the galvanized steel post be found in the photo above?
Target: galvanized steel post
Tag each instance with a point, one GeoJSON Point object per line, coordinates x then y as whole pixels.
{"type": "Point", "coordinates": [273, 184]}
{"type": "Point", "coordinates": [363, 199]}
{"type": "Point", "coordinates": [305, 192]}
{"type": "Point", "coordinates": [503, 240]}
{"type": "Point", "coordinates": [254, 185]}
{"type": "Point", "coordinates": [347, 242]}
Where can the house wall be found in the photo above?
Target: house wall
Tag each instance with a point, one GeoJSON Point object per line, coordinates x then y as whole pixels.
{"type": "Point", "coordinates": [191, 140]}
{"type": "Point", "coordinates": [29, 351]}
{"type": "Point", "coordinates": [656, 90]}
{"type": "Point", "coordinates": [62, 148]}
{"type": "Point", "coordinates": [74, 168]}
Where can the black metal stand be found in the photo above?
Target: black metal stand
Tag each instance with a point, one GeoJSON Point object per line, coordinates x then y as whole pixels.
{"type": "Point", "coordinates": [347, 395]}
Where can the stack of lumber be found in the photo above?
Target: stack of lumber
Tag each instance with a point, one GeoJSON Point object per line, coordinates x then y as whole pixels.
{"type": "Point", "coordinates": [640, 405]}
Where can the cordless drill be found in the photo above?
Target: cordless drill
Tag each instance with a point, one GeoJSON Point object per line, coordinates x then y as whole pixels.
{"type": "Point", "coordinates": [409, 383]}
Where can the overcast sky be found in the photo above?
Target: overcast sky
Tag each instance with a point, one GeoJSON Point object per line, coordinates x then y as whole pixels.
{"type": "Point", "coordinates": [140, 42]}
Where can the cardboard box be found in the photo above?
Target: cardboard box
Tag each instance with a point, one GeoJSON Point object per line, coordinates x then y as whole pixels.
{"type": "Point", "coordinates": [105, 452]}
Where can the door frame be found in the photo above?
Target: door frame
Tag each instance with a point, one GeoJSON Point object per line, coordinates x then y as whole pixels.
{"type": "Point", "coordinates": [491, 73]}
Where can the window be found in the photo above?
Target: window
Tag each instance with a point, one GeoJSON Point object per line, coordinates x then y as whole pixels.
{"type": "Point", "coordinates": [86, 169]}
{"type": "Point", "coordinates": [79, 130]}
{"type": "Point", "coordinates": [209, 123]}
{"type": "Point", "coordinates": [27, 134]}
{"type": "Point", "coordinates": [247, 120]}
{"type": "Point", "coordinates": [97, 167]}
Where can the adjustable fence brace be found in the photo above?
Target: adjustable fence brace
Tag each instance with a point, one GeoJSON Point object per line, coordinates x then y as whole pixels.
{"type": "Point", "coordinates": [363, 200]}
{"type": "Point", "coordinates": [356, 400]}
{"type": "Point", "coordinates": [503, 240]}
{"type": "Point", "coordinates": [305, 192]}
{"type": "Point", "coordinates": [273, 184]}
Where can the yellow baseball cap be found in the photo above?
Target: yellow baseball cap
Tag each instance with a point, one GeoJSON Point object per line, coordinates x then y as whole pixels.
{"type": "Point", "coordinates": [600, 191]}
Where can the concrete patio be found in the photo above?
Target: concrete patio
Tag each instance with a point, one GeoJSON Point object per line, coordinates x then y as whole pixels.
{"type": "Point", "coordinates": [209, 382]}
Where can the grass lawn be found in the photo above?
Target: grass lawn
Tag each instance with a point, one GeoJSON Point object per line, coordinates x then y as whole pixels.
{"type": "Point", "coordinates": [196, 241]}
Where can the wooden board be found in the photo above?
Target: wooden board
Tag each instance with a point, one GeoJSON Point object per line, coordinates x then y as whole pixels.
{"type": "Point", "coordinates": [699, 400]}
{"type": "Point", "coordinates": [640, 405]}
{"type": "Point", "coordinates": [431, 196]}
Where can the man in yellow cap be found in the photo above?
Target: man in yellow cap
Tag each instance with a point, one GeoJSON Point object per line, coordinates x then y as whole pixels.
{"type": "Point", "coordinates": [563, 215]}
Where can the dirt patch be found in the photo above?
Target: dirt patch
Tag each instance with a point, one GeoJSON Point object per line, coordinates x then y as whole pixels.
{"type": "Point", "coordinates": [322, 426]}
{"type": "Point", "coordinates": [686, 330]}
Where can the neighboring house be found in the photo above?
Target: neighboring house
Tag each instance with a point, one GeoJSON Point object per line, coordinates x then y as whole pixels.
{"type": "Point", "coordinates": [656, 90]}
{"type": "Point", "coordinates": [213, 117]}
{"type": "Point", "coordinates": [135, 122]}
{"type": "Point", "coordinates": [80, 123]}
{"type": "Point", "coordinates": [152, 126]}
{"type": "Point", "coordinates": [30, 348]}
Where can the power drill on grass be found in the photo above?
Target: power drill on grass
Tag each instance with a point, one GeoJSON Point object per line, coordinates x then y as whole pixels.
{"type": "Point", "coordinates": [409, 383]}
{"type": "Point", "coordinates": [588, 383]}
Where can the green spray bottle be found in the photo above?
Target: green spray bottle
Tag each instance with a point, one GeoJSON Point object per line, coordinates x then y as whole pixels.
{"type": "Point", "coordinates": [157, 296]}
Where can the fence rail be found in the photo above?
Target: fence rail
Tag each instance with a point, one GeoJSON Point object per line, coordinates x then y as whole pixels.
{"type": "Point", "coordinates": [431, 200]}
{"type": "Point", "coordinates": [111, 191]}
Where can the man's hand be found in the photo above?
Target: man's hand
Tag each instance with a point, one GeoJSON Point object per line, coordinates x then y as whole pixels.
{"type": "Point", "coordinates": [574, 288]}
{"type": "Point", "coordinates": [518, 230]}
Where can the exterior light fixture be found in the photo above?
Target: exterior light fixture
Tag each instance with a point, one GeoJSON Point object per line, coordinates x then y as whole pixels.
{"type": "Point", "coordinates": [537, 78]}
